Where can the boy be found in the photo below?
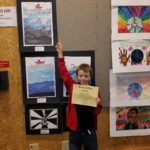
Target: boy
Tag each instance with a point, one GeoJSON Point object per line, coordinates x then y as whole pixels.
{"type": "Point", "coordinates": [81, 120]}
{"type": "Point", "coordinates": [132, 116]}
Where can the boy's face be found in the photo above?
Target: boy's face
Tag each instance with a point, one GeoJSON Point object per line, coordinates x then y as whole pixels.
{"type": "Point", "coordinates": [83, 77]}
{"type": "Point", "coordinates": [132, 116]}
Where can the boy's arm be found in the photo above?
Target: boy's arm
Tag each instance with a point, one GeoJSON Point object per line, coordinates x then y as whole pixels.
{"type": "Point", "coordinates": [59, 49]}
{"type": "Point", "coordinates": [98, 109]}
{"type": "Point", "coordinates": [63, 72]}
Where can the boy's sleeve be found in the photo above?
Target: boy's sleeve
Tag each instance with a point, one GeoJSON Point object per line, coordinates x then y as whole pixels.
{"type": "Point", "coordinates": [64, 73]}
{"type": "Point", "coordinates": [98, 109]}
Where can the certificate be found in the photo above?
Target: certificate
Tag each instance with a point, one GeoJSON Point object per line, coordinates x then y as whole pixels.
{"type": "Point", "coordinates": [85, 95]}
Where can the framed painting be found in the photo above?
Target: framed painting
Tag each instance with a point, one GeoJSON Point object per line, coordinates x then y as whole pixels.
{"type": "Point", "coordinates": [131, 56]}
{"type": "Point", "coordinates": [129, 89]}
{"type": "Point", "coordinates": [129, 121]}
{"type": "Point", "coordinates": [39, 78]}
{"type": "Point", "coordinates": [130, 21]}
{"type": "Point", "coordinates": [37, 25]}
{"type": "Point", "coordinates": [72, 60]}
{"type": "Point", "coordinates": [43, 119]}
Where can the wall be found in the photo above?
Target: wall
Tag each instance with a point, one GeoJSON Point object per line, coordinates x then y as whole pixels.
{"type": "Point", "coordinates": [82, 25]}
{"type": "Point", "coordinates": [85, 25]}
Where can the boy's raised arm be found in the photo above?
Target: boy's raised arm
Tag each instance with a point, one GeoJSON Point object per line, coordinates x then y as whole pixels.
{"type": "Point", "coordinates": [63, 72]}
{"type": "Point", "coordinates": [59, 49]}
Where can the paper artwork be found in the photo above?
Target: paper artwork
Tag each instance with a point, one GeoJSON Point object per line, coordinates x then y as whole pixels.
{"type": "Point", "coordinates": [129, 121]}
{"type": "Point", "coordinates": [37, 24]}
{"type": "Point", "coordinates": [43, 119]}
{"type": "Point", "coordinates": [131, 56]}
{"type": "Point", "coordinates": [40, 77]}
{"type": "Point", "coordinates": [129, 89]}
{"type": "Point", "coordinates": [130, 22]}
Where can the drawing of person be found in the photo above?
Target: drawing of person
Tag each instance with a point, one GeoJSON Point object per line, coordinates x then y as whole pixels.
{"type": "Point", "coordinates": [132, 117]}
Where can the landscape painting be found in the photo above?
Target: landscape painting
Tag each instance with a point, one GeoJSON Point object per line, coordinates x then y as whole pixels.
{"type": "Point", "coordinates": [37, 24]}
{"type": "Point", "coordinates": [40, 77]}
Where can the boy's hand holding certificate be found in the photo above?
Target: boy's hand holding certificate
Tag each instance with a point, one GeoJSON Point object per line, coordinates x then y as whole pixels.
{"type": "Point", "coordinates": [85, 95]}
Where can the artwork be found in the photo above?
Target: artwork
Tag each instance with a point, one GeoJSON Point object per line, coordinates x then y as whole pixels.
{"type": "Point", "coordinates": [133, 19]}
{"type": "Point", "coordinates": [129, 121]}
{"type": "Point", "coordinates": [129, 89]}
{"type": "Point", "coordinates": [43, 119]}
{"type": "Point", "coordinates": [72, 60]}
{"type": "Point", "coordinates": [129, 77]}
{"type": "Point", "coordinates": [40, 73]}
{"type": "Point", "coordinates": [37, 26]}
{"type": "Point", "coordinates": [131, 56]}
{"type": "Point", "coordinates": [39, 79]}
{"type": "Point", "coordinates": [130, 22]}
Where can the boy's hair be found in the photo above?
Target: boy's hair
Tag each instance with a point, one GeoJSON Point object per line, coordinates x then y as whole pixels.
{"type": "Point", "coordinates": [133, 109]}
{"type": "Point", "coordinates": [85, 68]}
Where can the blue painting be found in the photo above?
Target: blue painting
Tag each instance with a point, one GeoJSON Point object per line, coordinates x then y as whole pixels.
{"type": "Point", "coordinates": [37, 23]}
{"type": "Point", "coordinates": [40, 75]}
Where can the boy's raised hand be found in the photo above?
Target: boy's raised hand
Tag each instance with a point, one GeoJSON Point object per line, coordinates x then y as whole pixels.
{"type": "Point", "coordinates": [59, 49]}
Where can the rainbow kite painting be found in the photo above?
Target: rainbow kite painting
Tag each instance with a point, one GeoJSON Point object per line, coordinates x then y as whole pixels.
{"type": "Point", "coordinates": [133, 19]}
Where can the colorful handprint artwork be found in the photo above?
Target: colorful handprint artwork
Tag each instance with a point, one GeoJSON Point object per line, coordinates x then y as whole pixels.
{"type": "Point", "coordinates": [131, 56]}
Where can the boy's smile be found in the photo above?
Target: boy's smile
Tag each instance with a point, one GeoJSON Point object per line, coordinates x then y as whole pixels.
{"type": "Point", "coordinates": [83, 77]}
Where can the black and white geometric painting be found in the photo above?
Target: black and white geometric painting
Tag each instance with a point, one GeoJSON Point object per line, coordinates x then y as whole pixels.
{"type": "Point", "coordinates": [43, 119]}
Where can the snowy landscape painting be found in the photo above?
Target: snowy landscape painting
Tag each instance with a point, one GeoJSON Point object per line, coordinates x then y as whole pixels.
{"type": "Point", "coordinates": [37, 24]}
{"type": "Point", "coordinates": [40, 77]}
